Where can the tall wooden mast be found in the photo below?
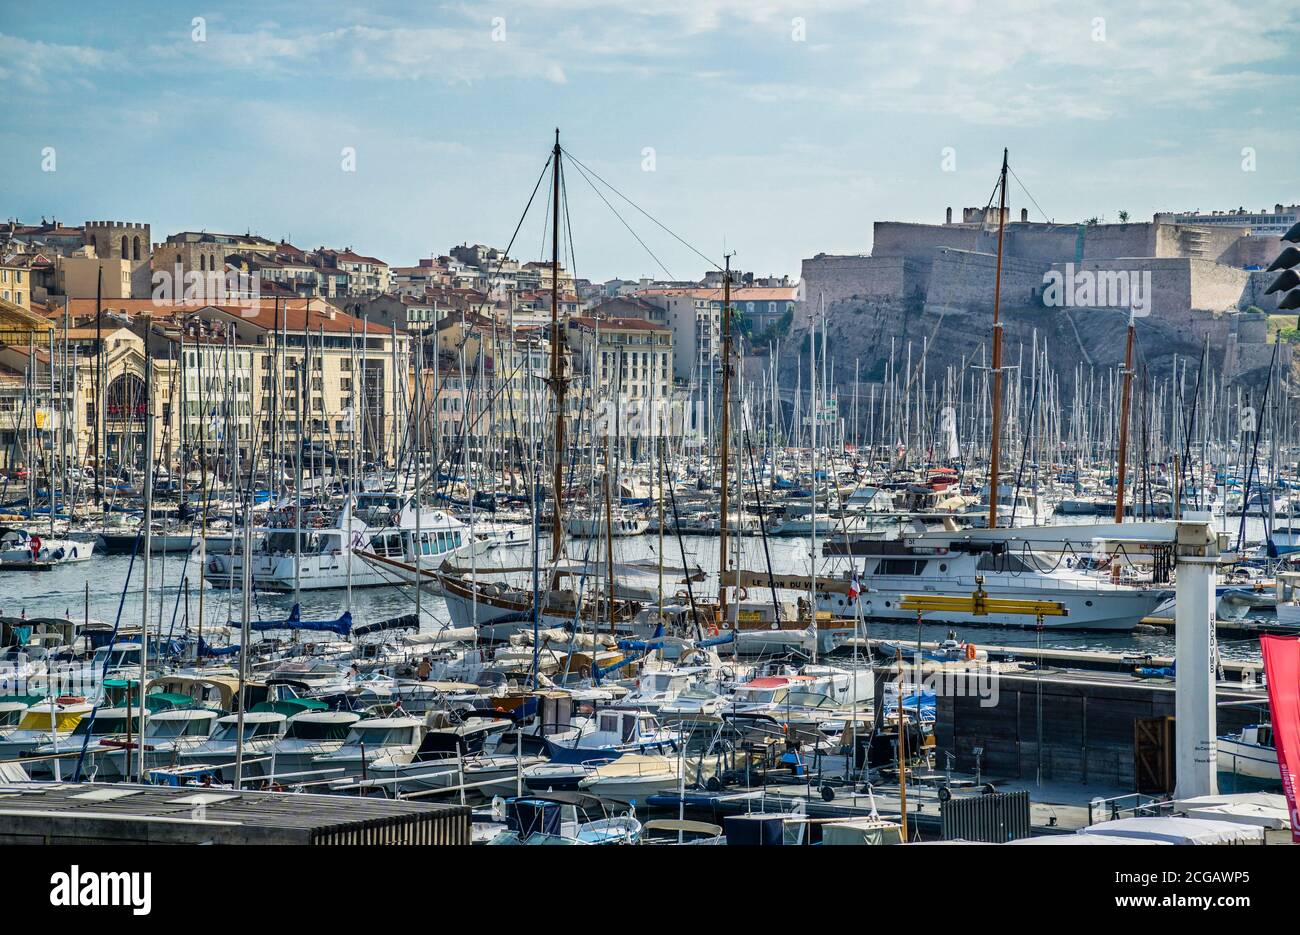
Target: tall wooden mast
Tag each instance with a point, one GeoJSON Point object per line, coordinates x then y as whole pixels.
{"type": "Point", "coordinates": [994, 443]}
{"type": "Point", "coordinates": [557, 381]}
{"type": "Point", "coordinates": [1125, 402]}
{"type": "Point", "coordinates": [726, 431]}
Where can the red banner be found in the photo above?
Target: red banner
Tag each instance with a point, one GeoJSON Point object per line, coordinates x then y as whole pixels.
{"type": "Point", "coordinates": [1282, 667]}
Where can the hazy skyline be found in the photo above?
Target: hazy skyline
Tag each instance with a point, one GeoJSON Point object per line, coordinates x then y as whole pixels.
{"type": "Point", "coordinates": [778, 129]}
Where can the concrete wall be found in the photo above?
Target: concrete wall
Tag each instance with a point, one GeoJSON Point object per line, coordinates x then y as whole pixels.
{"type": "Point", "coordinates": [1178, 284]}
{"type": "Point", "coordinates": [78, 277]}
{"type": "Point", "coordinates": [919, 241]}
{"type": "Point", "coordinates": [1087, 730]}
{"type": "Point", "coordinates": [1257, 250]}
{"type": "Point", "coordinates": [961, 280]}
{"type": "Point", "coordinates": [833, 279]}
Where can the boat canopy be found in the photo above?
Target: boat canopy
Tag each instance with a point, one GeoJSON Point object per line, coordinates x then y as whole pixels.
{"type": "Point", "coordinates": [1176, 830]}
{"type": "Point", "coordinates": [342, 626]}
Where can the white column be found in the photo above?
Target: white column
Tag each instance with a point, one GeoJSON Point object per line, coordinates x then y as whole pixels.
{"type": "Point", "coordinates": [1195, 706]}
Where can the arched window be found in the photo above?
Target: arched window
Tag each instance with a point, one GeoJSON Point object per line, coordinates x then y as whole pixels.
{"type": "Point", "coordinates": [126, 398]}
{"type": "Point", "coordinates": [135, 248]}
{"type": "Point", "coordinates": [125, 254]}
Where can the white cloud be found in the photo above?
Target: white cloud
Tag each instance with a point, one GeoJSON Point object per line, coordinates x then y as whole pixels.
{"type": "Point", "coordinates": [33, 64]}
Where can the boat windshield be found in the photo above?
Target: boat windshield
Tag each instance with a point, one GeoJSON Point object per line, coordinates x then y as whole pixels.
{"type": "Point", "coordinates": [104, 726]}
{"type": "Point", "coordinates": [12, 717]}
{"type": "Point", "coordinates": [171, 727]}
{"type": "Point", "coordinates": [760, 695]}
{"type": "Point", "coordinates": [378, 736]}
{"type": "Point", "coordinates": [807, 699]}
{"type": "Point", "coordinates": [1020, 563]}
{"type": "Point", "coordinates": [229, 732]}
{"type": "Point", "coordinates": [317, 730]}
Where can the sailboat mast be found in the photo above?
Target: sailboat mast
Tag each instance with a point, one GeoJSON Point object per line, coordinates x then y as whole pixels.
{"type": "Point", "coordinates": [997, 352]}
{"type": "Point", "coordinates": [100, 402]}
{"type": "Point", "coordinates": [726, 429]}
{"type": "Point", "coordinates": [1125, 402]}
{"type": "Point", "coordinates": [557, 378]}
{"type": "Point", "coordinates": [148, 544]}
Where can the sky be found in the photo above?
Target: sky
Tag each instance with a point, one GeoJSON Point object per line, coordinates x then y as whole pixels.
{"type": "Point", "coordinates": [769, 129]}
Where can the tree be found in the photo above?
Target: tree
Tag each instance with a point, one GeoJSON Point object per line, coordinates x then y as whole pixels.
{"type": "Point", "coordinates": [1123, 217]}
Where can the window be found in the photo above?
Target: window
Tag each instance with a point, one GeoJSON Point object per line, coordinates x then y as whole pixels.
{"type": "Point", "coordinates": [900, 566]}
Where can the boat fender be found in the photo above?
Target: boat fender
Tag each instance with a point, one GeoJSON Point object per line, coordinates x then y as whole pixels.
{"type": "Point", "coordinates": [214, 566]}
{"type": "Point", "coordinates": [742, 594]}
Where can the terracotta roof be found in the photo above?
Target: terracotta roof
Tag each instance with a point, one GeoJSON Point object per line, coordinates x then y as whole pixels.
{"type": "Point", "coordinates": [348, 256]}
{"type": "Point", "coordinates": [294, 313]}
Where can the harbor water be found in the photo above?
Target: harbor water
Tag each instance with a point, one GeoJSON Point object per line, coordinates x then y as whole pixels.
{"type": "Point", "coordinates": [98, 588]}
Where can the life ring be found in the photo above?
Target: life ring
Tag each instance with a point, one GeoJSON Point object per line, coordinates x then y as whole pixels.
{"type": "Point", "coordinates": [214, 566]}
{"type": "Point", "coordinates": [742, 593]}
{"type": "Point", "coordinates": [681, 595]}
{"type": "Point", "coordinates": [970, 652]}
{"type": "Point", "coordinates": [69, 699]}
{"type": "Point", "coordinates": [713, 629]}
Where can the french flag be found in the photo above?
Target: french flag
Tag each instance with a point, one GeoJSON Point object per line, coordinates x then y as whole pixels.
{"type": "Point", "coordinates": [855, 588]}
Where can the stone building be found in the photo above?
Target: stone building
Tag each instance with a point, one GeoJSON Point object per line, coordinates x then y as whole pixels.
{"type": "Point", "coordinates": [695, 317]}
{"type": "Point", "coordinates": [228, 381]}
{"type": "Point", "coordinates": [919, 279]}
{"type": "Point", "coordinates": [125, 242]}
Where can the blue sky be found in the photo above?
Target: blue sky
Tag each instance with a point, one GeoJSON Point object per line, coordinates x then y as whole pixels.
{"type": "Point", "coordinates": [779, 129]}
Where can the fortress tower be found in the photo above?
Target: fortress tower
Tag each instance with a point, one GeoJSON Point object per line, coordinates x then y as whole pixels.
{"type": "Point", "coordinates": [123, 240]}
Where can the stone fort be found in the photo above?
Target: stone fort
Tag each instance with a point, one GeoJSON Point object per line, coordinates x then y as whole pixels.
{"type": "Point", "coordinates": [938, 280]}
